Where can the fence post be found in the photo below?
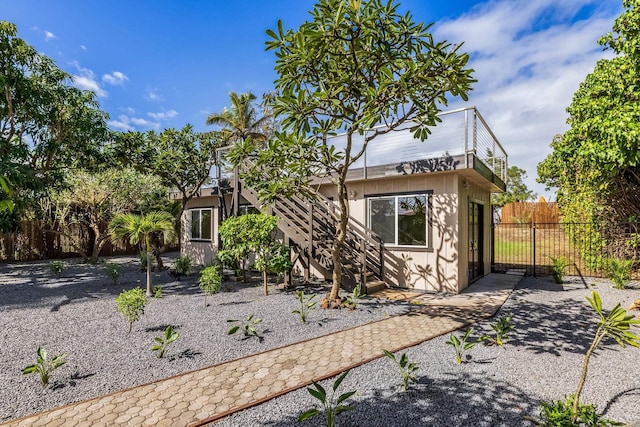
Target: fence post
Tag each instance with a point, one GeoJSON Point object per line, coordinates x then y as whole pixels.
{"type": "Point", "coordinates": [533, 225]}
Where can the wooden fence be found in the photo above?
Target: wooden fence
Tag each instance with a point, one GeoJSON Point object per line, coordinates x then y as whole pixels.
{"type": "Point", "coordinates": [36, 240]}
{"type": "Point", "coordinates": [528, 212]}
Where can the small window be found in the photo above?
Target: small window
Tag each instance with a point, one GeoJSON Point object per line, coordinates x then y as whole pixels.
{"type": "Point", "coordinates": [247, 209]}
{"type": "Point", "coordinates": [400, 220]}
{"type": "Point", "coordinates": [201, 224]}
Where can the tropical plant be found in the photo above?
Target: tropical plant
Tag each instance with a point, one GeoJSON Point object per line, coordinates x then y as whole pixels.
{"type": "Point", "coordinates": [560, 414]}
{"type": "Point", "coordinates": [139, 228]}
{"type": "Point", "coordinates": [558, 265]}
{"type": "Point", "coordinates": [182, 265]}
{"type": "Point", "coordinates": [502, 327]}
{"type": "Point", "coordinates": [248, 326]}
{"type": "Point", "coordinates": [461, 345]}
{"type": "Point", "coordinates": [616, 325]}
{"type": "Point", "coordinates": [353, 299]}
{"type": "Point", "coordinates": [157, 292]}
{"type": "Point", "coordinates": [56, 267]}
{"type": "Point", "coordinates": [6, 204]}
{"type": "Point", "coordinates": [163, 342]}
{"type": "Point", "coordinates": [114, 271]}
{"type": "Point", "coordinates": [407, 368]}
{"type": "Point", "coordinates": [331, 406]}
{"type": "Point", "coordinates": [307, 305]}
{"type": "Point", "coordinates": [241, 121]}
{"type": "Point", "coordinates": [388, 69]}
{"type": "Point", "coordinates": [45, 367]}
{"type": "Point", "coordinates": [619, 271]}
{"type": "Point", "coordinates": [131, 304]}
{"type": "Point", "coordinates": [210, 280]}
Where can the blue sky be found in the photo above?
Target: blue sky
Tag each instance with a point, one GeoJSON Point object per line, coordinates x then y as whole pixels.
{"type": "Point", "coordinates": [158, 64]}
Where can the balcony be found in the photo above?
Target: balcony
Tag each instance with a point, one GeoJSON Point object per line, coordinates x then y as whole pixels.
{"type": "Point", "coordinates": [463, 140]}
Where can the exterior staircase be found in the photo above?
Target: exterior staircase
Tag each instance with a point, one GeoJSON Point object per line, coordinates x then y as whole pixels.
{"type": "Point", "coordinates": [309, 228]}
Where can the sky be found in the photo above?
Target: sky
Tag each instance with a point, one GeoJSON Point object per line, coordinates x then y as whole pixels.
{"type": "Point", "coordinates": [160, 64]}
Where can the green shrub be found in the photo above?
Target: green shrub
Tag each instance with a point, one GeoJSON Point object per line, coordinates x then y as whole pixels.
{"type": "Point", "coordinates": [56, 268]}
{"type": "Point", "coordinates": [307, 305]}
{"type": "Point", "coordinates": [558, 265]}
{"type": "Point", "coordinates": [619, 271]}
{"type": "Point", "coordinates": [183, 265]}
{"type": "Point", "coordinates": [503, 326]}
{"type": "Point", "coordinates": [461, 345]}
{"type": "Point", "coordinates": [131, 304]}
{"type": "Point", "coordinates": [45, 367]}
{"type": "Point", "coordinates": [114, 271]}
{"type": "Point", "coordinates": [331, 406]}
{"type": "Point", "coordinates": [248, 326]}
{"type": "Point", "coordinates": [163, 342]}
{"type": "Point", "coordinates": [210, 280]}
{"type": "Point", "coordinates": [157, 292]}
{"type": "Point", "coordinates": [353, 299]}
{"type": "Point", "coordinates": [560, 414]}
{"type": "Point", "coordinates": [407, 368]}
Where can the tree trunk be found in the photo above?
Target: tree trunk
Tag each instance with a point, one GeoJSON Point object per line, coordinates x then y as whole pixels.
{"type": "Point", "coordinates": [583, 377]}
{"type": "Point", "coordinates": [266, 283]}
{"type": "Point", "coordinates": [148, 266]}
{"type": "Point", "coordinates": [338, 242]}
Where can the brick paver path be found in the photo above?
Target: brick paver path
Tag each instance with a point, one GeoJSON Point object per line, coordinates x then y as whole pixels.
{"type": "Point", "coordinates": [202, 396]}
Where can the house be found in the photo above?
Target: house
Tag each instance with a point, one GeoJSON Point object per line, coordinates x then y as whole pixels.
{"type": "Point", "coordinates": [420, 211]}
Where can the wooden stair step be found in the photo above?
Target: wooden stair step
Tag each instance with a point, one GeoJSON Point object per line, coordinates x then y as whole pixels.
{"type": "Point", "coordinates": [375, 286]}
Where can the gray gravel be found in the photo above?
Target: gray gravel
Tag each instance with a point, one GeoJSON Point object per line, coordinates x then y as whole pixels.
{"type": "Point", "coordinates": [76, 314]}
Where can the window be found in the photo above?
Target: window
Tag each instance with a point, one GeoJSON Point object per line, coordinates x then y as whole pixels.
{"type": "Point", "coordinates": [400, 220]}
{"type": "Point", "coordinates": [247, 209]}
{"type": "Point", "coordinates": [201, 224]}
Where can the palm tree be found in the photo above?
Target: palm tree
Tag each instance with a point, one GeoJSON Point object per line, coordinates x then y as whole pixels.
{"type": "Point", "coordinates": [241, 121]}
{"type": "Point", "coordinates": [141, 228]}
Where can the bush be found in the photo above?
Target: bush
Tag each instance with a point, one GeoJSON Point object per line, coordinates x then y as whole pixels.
{"type": "Point", "coordinates": [56, 268]}
{"type": "Point", "coordinates": [557, 268]}
{"type": "Point", "coordinates": [560, 414]}
{"type": "Point", "coordinates": [114, 271]}
{"type": "Point", "coordinates": [619, 271]}
{"type": "Point", "coordinates": [210, 280]}
{"type": "Point", "coordinates": [183, 265]}
{"type": "Point", "coordinates": [131, 305]}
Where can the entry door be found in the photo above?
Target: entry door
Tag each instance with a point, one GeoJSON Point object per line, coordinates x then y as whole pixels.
{"type": "Point", "coordinates": [475, 241]}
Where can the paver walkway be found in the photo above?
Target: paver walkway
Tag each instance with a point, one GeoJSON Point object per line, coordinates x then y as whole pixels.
{"type": "Point", "coordinates": [202, 396]}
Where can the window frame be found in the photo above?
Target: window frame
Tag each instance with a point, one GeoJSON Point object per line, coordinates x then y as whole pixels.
{"type": "Point", "coordinates": [428, 222]}
{"type": "Point", "coordinates": [200, 238]}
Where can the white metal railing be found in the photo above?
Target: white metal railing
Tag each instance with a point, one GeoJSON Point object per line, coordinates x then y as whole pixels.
{"type": "Point", "coordinates": [461, 131]}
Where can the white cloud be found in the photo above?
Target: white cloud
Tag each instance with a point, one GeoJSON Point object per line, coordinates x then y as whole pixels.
{"type": "Point", "coordinates": [527, 76]}
{"type": "Point", "coordinates": [154, 95]}
{"type": "Point", "coordinates": [127, 123]}
{"type": "Point", "coordinates": [48, 35]}
{"type": "Point", "coordinates": [83, 47]}
{"type": "Point", "coordinates": [116, 78]}
{"type": "Point", "coordinates": [86, 80]}
{"type": "Point", "coordinates": [164, 115]}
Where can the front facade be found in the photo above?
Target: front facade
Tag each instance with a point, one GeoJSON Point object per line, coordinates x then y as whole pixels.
{"type": "Point", "coordinates": [429, 202]}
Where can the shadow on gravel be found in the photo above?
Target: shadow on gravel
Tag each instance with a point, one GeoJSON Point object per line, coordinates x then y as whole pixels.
{"type": "Point", "coordinates": [470, 400]}
{"type": "Point", "coordinates": [620, 396]}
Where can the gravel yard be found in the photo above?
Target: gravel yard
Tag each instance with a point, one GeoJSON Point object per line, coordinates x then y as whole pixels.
{"type": "Point", "coordinates": [76, 314]}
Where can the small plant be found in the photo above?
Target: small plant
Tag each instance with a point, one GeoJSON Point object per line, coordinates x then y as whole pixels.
{"type": "Point", "coordinates": [353, 299]}
{"type": "Point", "coordinates": [331, 407]}
{"type": "Point", "coordinates": [619, 271]}
{"type": "Point", "coordinates": [558, 265]}
{"type": "Point", "coordinates": [131, 304]}
{"type": "Point", "coordinates": [560, 414]}
{"type": "Point", "coordinates": [114, 271]}
{"type": "Point", "coordinates": [248, 326]}
{"type": "Point", "coordinates": [45, 367]}
{"type": "Point", "coordinates": [157, 292]}
{"type": "Point", "coordinates": [183, 265]}
{"type": "Point", "coordinates": [461, 345]}
{"type": "Point", "coordinates": [163, 342]}
{"type": "Point", "coordinates": [307, 305]}
{"type": "Point", "coordinates": [210, 280]}
{"type": "Point", "coordinates": [56, 268]}
{"type": "Point", "coordinates": [407, 368]}
{"type": "Point", "coordinates": [503, 326]}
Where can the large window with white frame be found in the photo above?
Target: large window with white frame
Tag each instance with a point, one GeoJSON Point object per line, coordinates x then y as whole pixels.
{"type": "Point", "coordinates": [400, 220]}
{"type": "Point", "coordinates": [200, 224]}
